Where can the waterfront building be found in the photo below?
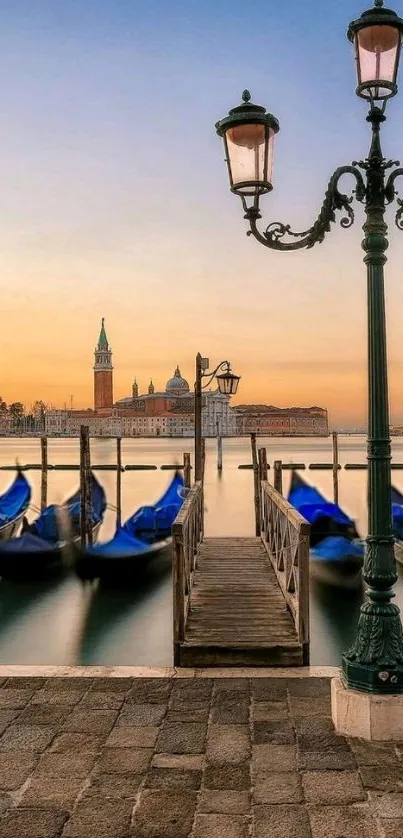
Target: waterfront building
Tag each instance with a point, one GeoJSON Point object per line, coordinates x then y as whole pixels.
{"type": "Point", "coordinates": [170, 412]}
{"type": "Point", "coordinates": [268, 420]}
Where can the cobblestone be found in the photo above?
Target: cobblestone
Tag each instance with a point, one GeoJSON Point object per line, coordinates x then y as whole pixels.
{"type": "Point", "coordinates": [36, 823]}
{"type": "Point", "coordinates": [174, 757]}
{"type": "Point", "coordinates": [164, 814]}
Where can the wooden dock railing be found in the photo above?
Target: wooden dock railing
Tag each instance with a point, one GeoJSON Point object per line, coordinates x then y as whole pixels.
{"type": "Point", "coordinates": [187, 534]}
{"type": "Point", "coordinates": [285, 534]}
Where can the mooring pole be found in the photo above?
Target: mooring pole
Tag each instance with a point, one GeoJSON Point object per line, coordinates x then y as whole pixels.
{"type": "Point", "coordinates": [186, 471]}
{"type": "Point", "coordinates": [88, 487]}
{"type": "Point", "coordinates": [335, 467]}
{"type": "Point", "coordinates": [256, 483]}
{"type": "Point", "coordinates": [278, 476]}
{"type": "Point", "coordinates": [44, 472]}
{"type": "Point", "coordinates": [118, 482]}
{"type": "Point", "coordinates": [219, 447]}
{"type": "Point", "coordinates": [83, 488]}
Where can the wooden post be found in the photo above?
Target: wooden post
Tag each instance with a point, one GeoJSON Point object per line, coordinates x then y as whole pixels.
{"type": "Point", "coordinates": [263, 463]}
{"type": "Point", "coordinates": [178, 571]}
{"type": "Point", "coordinates": [83, 488]}
{"type": "Point", "coordinates": [88, 481]}
{"type": "Point", "coordinates": [186, 471]}
{"type": "Point", "coordinates": [303, 591]}
{"type": "Point", "coordinates": [118, 481]}
{"type": "Point", "coordinates": [203, 458]}
{"type": "Point", "coordinates": [262, 476]}
{"type": "Point", "coordinates": [256, 483]}
{"type": "Point", "coordinates": [219, 448]}
{"type": "Point", "coordinates": [44, 472]}
{"type": "Point", "coordinates": [278, 476]}
{"type": "Point", "coordinates": [335, 467]}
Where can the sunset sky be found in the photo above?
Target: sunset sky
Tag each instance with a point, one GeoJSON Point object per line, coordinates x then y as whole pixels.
{"type": "Point", "coordinates": [114, 200]}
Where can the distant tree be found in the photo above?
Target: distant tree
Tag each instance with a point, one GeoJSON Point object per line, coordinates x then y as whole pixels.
{"type": "Point", "coordinates": [3, 407]}
{"type": "Point", "coordinates": [16, 410]}
{"type": "Point", "coordinates": [38, 409]}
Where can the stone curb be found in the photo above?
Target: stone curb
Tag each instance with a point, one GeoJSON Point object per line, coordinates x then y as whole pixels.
{"type": "Point", "coordinates": [15, 671]}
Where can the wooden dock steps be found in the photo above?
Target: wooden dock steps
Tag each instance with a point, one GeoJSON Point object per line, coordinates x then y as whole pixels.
{"type": "Point", "coordinates": [237, 612]}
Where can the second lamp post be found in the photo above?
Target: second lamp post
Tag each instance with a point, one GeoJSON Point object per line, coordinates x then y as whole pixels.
{"type": "Point", "coordinates": [227, 385]}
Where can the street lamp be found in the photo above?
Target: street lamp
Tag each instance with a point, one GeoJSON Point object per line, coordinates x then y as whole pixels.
{"type": "Point", "coordinates": [375, 661]}
{"type": "Point", "coordinates": [227, 385]}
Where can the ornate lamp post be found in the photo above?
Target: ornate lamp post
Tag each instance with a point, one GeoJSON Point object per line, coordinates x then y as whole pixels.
{"type": "Point", "coordinates": [227, 385]}
{"type": "Point", "coordinates": [375, 662]}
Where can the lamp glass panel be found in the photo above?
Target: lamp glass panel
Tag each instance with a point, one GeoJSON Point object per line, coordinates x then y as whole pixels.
{"type": "Point", "coordinates": [227, 384]}
{"type": "Point", "coordinates": [246, 147]}
{"type": "Point", "coordinates": [377, 51]}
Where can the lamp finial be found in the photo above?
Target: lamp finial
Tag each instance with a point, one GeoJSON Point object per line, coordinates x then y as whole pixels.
{"type": "Point", "coordinates": [378, 3]}
{"type": "Point", "coordinates": [246, 97]}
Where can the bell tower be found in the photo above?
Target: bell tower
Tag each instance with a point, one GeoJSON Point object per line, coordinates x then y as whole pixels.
{"type": "Point", "coordinates": [103, 372]}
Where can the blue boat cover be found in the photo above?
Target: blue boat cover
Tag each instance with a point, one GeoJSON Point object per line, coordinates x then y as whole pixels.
{"type": "Point", "coordinates": [153, 522]}
{"type": "Point", "coordinates": [46, 526]}
{"type": "Point", "coordinates": [336, 548]}
{"type": "Point", "coordinates": [312, 505]}
{"type": "Point", "coordinates": [148, 525]}
{"type": "Point", "coordinates": [26, 543]}
{"type": "Point", "coordinates": [397, 514]}
{"type": "Point", "coordinates": [121, 545]}
{"type": "Point", "coordinates": [15, 500]}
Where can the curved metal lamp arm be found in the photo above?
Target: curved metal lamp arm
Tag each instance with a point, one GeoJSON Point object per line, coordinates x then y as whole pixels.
{"type": "Point", "coordinates": [390, 194]}
{"type": "Point", "coordinates": [210, 375]}
{"type": "Point", "coordinates": [334, 200]}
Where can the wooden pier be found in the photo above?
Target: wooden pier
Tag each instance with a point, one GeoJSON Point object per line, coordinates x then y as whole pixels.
{"type": "Point", "coordinates": [241, 601]}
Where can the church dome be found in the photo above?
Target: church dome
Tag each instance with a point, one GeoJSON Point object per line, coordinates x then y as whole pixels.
{"type": "Point", "coordinates": [177, 385]}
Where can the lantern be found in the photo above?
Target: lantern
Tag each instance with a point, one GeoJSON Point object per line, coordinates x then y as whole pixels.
{"type": "Point", "coordinates": [228, 382]}
{"type": "Point", "coordinates": [377, 36]}
{"type": "Point", "coordinates": [248, 133]}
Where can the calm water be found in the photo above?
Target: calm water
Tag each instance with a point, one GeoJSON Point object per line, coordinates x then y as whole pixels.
{"type": "Point", "coordinates": [62, 622]}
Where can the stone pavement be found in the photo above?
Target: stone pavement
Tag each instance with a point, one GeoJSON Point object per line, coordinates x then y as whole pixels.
{"type": "Point", "coordinates": [188, 757]}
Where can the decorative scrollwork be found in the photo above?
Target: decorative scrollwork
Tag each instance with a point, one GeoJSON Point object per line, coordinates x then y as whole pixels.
{"type": "Point", "coordinates": [334, 201]}
{"type": "Point", "coordinates": [390, 194]}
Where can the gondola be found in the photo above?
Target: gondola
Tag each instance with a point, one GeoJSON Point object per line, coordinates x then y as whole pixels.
{"type": "Point", "coordinates": [13, 505]}
{"type": "Point", "coordinates": [397, 522]}
{"type": "Point", "coordinates": [336, 555]}
{"type": "Point", "coordinates": [145, 536]}
{"type": "Point", "coordinates": [42, 544]}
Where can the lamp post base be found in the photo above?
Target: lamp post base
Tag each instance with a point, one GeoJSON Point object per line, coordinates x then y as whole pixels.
{"type": "Point", "coordinates": [372, 678]}
{"type": "Point", "coordinates": [366, 715]}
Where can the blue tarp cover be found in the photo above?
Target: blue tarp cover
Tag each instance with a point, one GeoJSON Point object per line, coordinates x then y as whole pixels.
{"type": "Point", "coordinates": [46, 526]}
{"type": "Point", "coordinates": [27, 543]}
{"type": "Point", "coordinates": [336, 548]}
{"type": "Point", "coordinates": [397, 513]}
{"type": "Point", "coordinates": [153, 522]}
{"type": "Point", "coordinates": [15, 500]}
{"type": "Point", "coordinates": [312, 505]}
{"type": "Point", "coordinates": [148, 525]}
{"type": "Point", "coordinates": [122, 544]}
